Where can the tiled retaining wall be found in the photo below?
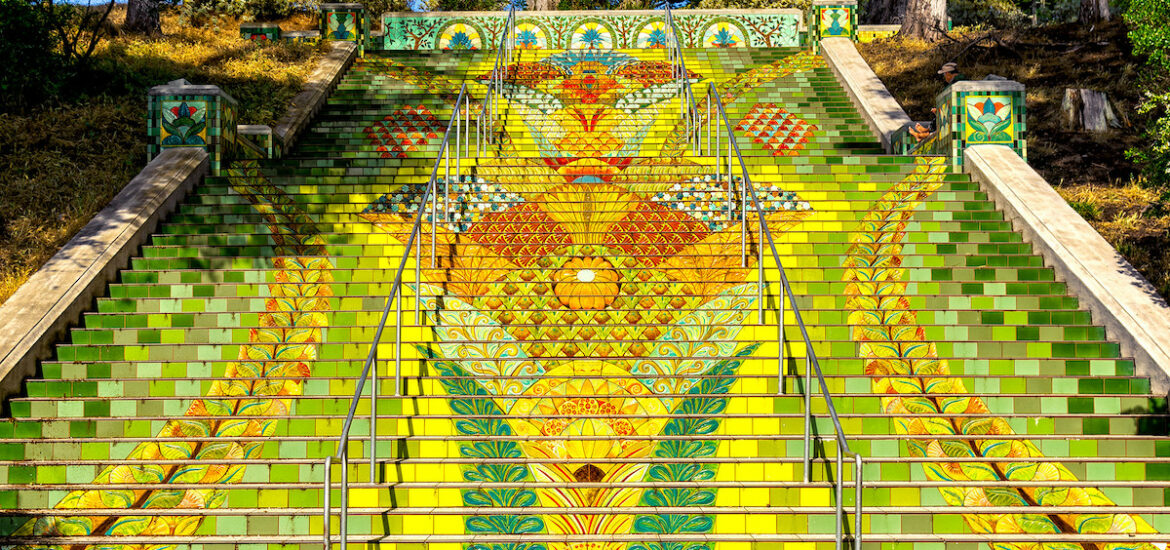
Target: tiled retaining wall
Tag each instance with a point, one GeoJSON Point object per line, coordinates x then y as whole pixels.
{"type": "Point", "coordinates": [591, 29]}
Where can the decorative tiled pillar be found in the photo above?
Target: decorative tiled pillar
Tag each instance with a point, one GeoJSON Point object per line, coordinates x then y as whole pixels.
{"type": "Point", "coordinates": [182, 114]}
{"type": "Point", "coordinates": [262, 137]}
{"type": "Point", "coordinates": [981, 112]}
{"type": "Point", "coordinates": [260, 31]}
{"type": "Point", "coordinates": [832, 18]}
{"type": "Point", "coordinates": [345, 22]}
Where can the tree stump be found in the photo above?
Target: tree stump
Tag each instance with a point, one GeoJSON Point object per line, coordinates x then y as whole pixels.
{"type": "Point", "coordinates": [1088, 110]}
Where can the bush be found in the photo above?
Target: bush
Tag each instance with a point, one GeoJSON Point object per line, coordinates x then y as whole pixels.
{"type": "Point", "coordinates": [28, 51]}
{"type": "Point", "coordinates": [1155, 156]}
{"type": "Point", "coordinates": [985, 13]}
{"type": "Point", "coordinates": [203, 12]}
{"type": "Point", "coordinates": [1149, 30]}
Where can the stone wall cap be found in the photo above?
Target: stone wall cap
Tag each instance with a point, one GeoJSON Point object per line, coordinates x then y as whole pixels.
{"type": "Point", "coordinates": [987, 86]}
{"type": "Point", "coordinates": [255, 25]}
{"type": "Point", "coordinates": [992, 86]}
{"type": "Point", "coordinates": [834, 2]}
{"type": "Point", "coordinates": [878, 28]}
{"type": "Point", "coordinates": [343, 6]}
{"type": "Point", "coordinates": [182, 87]}
{"type": "Point", "coordinates": [253, 129]}
{"type": "Point", "coordinates": [301, 33]}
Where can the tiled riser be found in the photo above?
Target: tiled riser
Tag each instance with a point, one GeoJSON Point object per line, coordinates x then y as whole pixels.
{"type": "Point", "coordinates": [199, 298]}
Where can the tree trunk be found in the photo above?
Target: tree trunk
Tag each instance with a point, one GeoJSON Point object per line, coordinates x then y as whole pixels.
{"type": "Point", "coordinates": [1095, 11]}
{"type": "Point", "coordinates": [925, 19]}
{"type": "Point", "coordinates": [542, 5]}
{"type": "Point", "coordinates": [884, 12]}
{"type": "Point", "coordinates": [142, 17]}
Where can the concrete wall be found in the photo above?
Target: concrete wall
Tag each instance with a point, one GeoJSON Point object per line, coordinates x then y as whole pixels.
{"type": "Point", "coordinates": [879, 108]}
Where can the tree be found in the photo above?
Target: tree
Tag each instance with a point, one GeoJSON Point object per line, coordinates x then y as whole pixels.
{"type": "Point", "coordinates": [1095, 11]}
{"type": "Point", "coordinates": [542, 5]}
{"type": "Point", "coordinates": [925, 19]}
{"type": "Point", "coordinates": [884, 12]}
{"type": "Point", "coordinates": [142, 16]}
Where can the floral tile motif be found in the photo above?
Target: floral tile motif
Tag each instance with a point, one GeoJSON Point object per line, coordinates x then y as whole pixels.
{"type": "Point", "coordinates": [592, 35]}
{"type": "Point", "coordinates": [184, 123]}
{"type": "Point", "coordinates": [342, 26]}
{"type": "Point", "coordinates": [530, 36]}
{"type": "Point", "coordinates": [652, 35]}
{"type": "Point", "coordinates": [989, 119]}
{"type": "Point", "coordinates": [460, 36]}
{"type": "Point", "coordinates": [836, 21]}
{"type": "Point", "coordinates": [725, 34]}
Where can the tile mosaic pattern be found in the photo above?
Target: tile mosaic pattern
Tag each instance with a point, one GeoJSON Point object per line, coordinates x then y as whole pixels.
{"type": "Point", "coordinates": [628, 29]}
{"type": "Point", "coordinates": [977, 117]}
{"type": "Point", "coordinates": [205, 121]}
{"type": "Point", "coordinates": [347, 22]}
{"type": "Point", "coordinates": [587, 335]}
{"type": "Point", "coordinates": [776, 129]}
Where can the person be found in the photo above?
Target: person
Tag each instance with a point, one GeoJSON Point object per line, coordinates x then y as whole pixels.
{"type": "Point", "coordinates": [950, 74]}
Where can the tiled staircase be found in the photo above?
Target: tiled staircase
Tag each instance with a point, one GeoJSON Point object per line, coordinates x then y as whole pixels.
{"type": "Point", "coordinates": [588, 369]}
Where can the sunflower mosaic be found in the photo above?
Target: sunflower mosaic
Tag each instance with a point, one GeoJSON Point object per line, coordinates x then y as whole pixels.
{"type": "Point", "coordinates": [460, 36]}
{"type": "Point", "coordinates": [652, 35]}
{"type": "Point", "coordinates": [592, 35]}
{"type": "Point", "coordinates": [530, 36]}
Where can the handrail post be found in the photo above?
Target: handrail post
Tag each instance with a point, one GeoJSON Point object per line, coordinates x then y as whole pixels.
{"type": "Point", "coordinates": [434, 190]}
{"type": "Point", "coordinates": [760, 272]}
{"type": "Point", "coordinates": [458, 141]}
{"type": "Point", "coordinates": [743, 224]}
{"type": "Point", "coordinates": [343, 523]}
{"type": "Point", "coordinates": [369, 368]}
{"type": "Point", "coordinates": [780, 336]}
{"type": "Point", "coordinates": [374, 408]}
{"type": "Point", "coordinates": [398, 348]}
{"type": "Point", "coordinates": [857, 473]}
{"type": "Point", "coordinates": [840, 493]}
{"type": "Point", "coordinates": [327, 509]}
{"type": "Point", "coordinates": [417, 276]}
{"type": "Point", "coordinates": [808, 416]}
{"type": "Point", "coordinates": [811, 363]}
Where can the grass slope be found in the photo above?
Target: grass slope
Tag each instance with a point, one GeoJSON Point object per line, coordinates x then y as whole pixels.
{"type": "Point", "coordinates": [63, 161]}
{"type": "Point", "coordinates": [1089, 170]}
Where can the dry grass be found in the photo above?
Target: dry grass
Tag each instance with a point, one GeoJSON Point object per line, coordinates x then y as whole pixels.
{"type": "Point", "coordinates": [1135, 219]}
{"type": "Point", "coordinates": [1089, 171]}
{"type": "Point", "coordinates": [1046, 60]}
{"type": "Point", "coordinates": [62, 162]}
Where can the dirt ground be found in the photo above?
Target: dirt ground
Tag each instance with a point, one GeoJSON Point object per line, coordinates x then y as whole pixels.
{"type": "Point", "coordinates": [1091, 171]}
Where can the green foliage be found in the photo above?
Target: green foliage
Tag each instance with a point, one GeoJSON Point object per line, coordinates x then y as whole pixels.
{"type": "Point", "coordinates": [28, 53]}
{"type": "Point", "coordinates": [1149, 30]}
{"type": "Point", "coordinates": [1088, 210]}
{"type": "Point", "coordinates": [1155, 156]}
{"type": "Point", "coordinates": [986, 13]}
{"type": "Point", "coordinates": [202, 13]}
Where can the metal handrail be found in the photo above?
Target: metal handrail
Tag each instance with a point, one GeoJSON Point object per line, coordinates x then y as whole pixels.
{"type": "Point", "coordinates": [460, 126]}
{"type": "Point", "coordinates": [812, 363]}
{"type": "Point", "coordinates": [678, 66]}
{"type": "Point", "coordinates": [394, 298]}
{"type": "Point", "coordinates": [505, 55]}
